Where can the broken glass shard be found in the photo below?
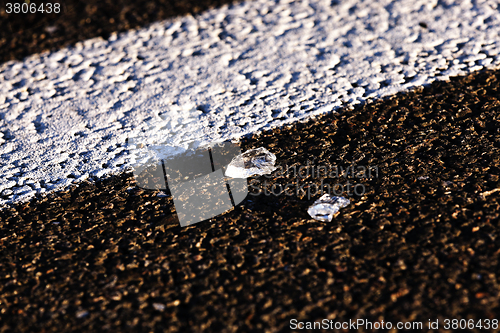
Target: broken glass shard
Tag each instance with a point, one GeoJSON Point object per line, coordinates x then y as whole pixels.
{"type": "Point", "coordinates": [325, 207]}
{"type": "Point", "coordinates": [258, 161]}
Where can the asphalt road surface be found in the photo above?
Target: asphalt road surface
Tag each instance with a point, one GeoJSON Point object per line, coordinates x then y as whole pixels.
{"type": "Point", "coordinates": [420, 243]}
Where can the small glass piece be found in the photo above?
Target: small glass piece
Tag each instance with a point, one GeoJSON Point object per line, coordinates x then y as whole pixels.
{"type": "Point", "coordinates": [325, 207]}
{"type": "Point", "coordinates": [258, 161]}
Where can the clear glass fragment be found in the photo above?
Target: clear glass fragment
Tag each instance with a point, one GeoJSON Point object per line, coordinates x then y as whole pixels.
{"type": "Point", "coordinates": [258, 161]}
{"type": "Point", "coordinates": [325, 207]}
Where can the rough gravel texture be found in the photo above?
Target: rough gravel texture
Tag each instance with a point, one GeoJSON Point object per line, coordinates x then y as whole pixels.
{"type": "Point", "coordinates": [422, 242]}
{"type": "Point", "coordinates": [228, 72]}
{"type": "Point", "coordinates": [24, 34]}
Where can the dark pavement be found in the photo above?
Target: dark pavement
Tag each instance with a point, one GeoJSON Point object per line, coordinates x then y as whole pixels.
{"type": "Point", "coordinates": [422, 242]}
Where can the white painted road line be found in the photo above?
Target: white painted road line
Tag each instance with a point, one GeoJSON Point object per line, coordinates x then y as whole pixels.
{"type": "Point", "coordinates": [65, 116]}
